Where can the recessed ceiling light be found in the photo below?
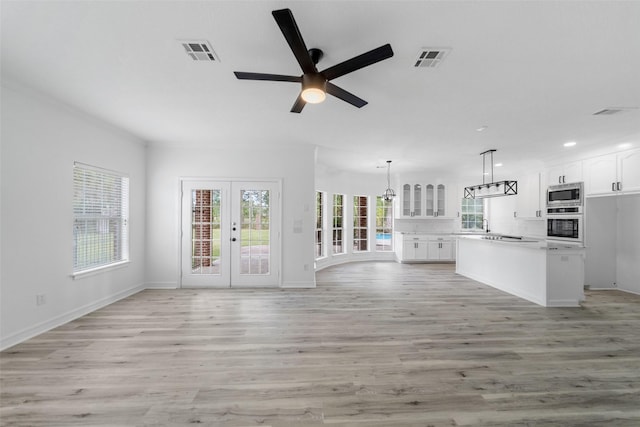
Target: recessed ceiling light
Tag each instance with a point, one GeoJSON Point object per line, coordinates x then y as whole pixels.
{"type": "Point", "coordinates": [624, 145]}
{"type": "Point", "coordinates": [570, 144]}
{"type": "Point", "coordinates": [481, 128]}
{"type": "Point", "coordinates": [498, 165]}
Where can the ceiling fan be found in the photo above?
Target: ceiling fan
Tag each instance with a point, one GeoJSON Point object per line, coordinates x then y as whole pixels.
{"type": "Point", "coordinates": [316, 84]}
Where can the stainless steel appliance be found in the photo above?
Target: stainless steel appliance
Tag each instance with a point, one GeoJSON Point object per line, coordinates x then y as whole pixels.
{"type": "Point", "coordinates": [565, 196]}
{"type": "Point", "coordinates": [565, 221]}
{"type": "Point", "coordinates": [568, 228]}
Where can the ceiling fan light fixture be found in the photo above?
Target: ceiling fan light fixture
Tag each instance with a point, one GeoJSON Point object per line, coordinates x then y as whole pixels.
{"type": "Point", "coordinates": [314, 88]}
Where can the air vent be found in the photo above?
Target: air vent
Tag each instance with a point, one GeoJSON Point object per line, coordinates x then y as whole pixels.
{"type": "Point", "coordinates": [613, 110]}
{"type": "Point", "coordinates": [199, 50]}
{"type": "Point", "coordinates": [431, 57]}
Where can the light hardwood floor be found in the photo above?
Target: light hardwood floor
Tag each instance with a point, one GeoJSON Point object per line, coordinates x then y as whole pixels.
{"type": "Point", "coordinates": [375, 344]}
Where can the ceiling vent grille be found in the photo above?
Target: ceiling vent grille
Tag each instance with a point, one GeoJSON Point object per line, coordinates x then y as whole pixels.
{"type": "Point", "coordinates": [199, 50]}
{"type": "Point", "coordinates": [431, 57]}
{"type": "Point", "coordinates": [613, 110]}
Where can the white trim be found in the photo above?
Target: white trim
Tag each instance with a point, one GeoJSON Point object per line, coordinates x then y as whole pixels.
{"type": "Point", "coordinates": [162, 285]}
{"type": "Point", "coordinates": [60, 320]}
{"type": "Point", "coordinates": [298, 285]}
{"type": "Point", "coordinates": [98, 270]}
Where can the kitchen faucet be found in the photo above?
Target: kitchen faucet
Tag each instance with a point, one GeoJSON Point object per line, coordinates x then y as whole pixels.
{"type": "Point", "coordinates": [487, 228]}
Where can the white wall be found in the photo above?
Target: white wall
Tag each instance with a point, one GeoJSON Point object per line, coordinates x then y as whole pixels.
{"type": "Point", "coordinates": [165, 168]}
{"type": "Point", "coordinates": [500, 211]}
{"type": "Point", "coordinates": [628, 245]}
{"type": "Point", "coordinates": [40, 141]}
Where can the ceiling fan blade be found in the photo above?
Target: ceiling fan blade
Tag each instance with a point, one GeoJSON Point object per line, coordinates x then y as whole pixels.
{"type": "Point", "coordinates": [298, 105]}
{"type": "Point", "coordinates": [357, 62]}
{"type": "Point", "coordinates": [338, 92]}
{"type": "Point", "coordinates": [289, 28]}
{"type": "Point", "coordinates": [270, 77]}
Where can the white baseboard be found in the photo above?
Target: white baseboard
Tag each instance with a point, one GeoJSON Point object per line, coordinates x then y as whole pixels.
{"type": "Point", "coordinates": [298, 285]}
{"type": "Point", "coordinates": [161, 285]}
{"type": "Point", "coordinates": [32, 331]}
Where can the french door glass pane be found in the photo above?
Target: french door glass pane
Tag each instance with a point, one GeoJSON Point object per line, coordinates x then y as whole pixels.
{"type": "Point", "coordinates": [205, 231]}
{"type": "Point", "coordinates": [254, 232]}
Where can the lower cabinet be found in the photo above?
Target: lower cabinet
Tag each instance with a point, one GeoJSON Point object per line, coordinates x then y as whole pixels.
{"type": "Point", "coordinates": [414, 249]}
{"type": "Point", "coordinates": [425, 248]}
{"type": "Point", "coordinates": [440, 249]}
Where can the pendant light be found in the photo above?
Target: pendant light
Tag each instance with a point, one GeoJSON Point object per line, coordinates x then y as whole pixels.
{"type": "Point", "coordinates": [490, 189]}
{"type": "Point", "coordinates": [388, 194]}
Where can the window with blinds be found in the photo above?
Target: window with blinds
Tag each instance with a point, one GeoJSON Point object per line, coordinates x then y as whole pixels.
{"type": "Point", "coordinates": [100, 218]}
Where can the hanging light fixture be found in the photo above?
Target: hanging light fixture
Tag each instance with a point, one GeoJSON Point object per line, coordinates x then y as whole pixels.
{"type": "Point", "coordinates": [490, 189]}
{"type": "Point", "coordinates": [388, 194]}
{"type": "Point", "coordinates": [314, 88]}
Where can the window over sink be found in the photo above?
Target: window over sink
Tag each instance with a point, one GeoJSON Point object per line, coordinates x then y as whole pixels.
{"type": "Point", "coordinates": [472, 214]}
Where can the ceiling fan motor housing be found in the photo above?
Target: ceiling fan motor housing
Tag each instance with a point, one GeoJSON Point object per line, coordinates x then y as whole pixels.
{"type": "Point", "coordinates": [316, 55]}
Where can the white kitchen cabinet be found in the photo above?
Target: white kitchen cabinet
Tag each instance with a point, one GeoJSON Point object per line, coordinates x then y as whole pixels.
{"type": "Point", "coordinates": [564, 173]}
{"type": "Point", "coordinates": [601, 175]}
{"type": "Point", "coordinates": [424, 247]}
{"type": "Point", "coordinates": [530, 200]}
{"type": "Point", "coordinates": [613, 174]}
{"type": "Point", "coordinates": [414, 248]}
{"type": "Point", "coordinates": [440, 249]}
{"type": "Point", "coordinates": [629, 171]}
{"type": "Point", "coordinates": [424, 200]}
{"type": "Point", "coordinates": [436, 201]}
{"type": "Point", "coordinates": [411, 201]}
{"type": "Point", "coordinates": [453, 202]}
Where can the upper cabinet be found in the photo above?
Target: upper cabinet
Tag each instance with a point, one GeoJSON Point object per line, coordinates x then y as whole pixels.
{"type": "Point", "coordinates": [428, 201]}
{"type": "Point", "coordinates": [530, 199]}
{"type": "Point", "coordinates": [411, 201]}
{"type": "Point", "coordinates": [565, 173]}
{"type": "Point", "coordinates": [613, 174]}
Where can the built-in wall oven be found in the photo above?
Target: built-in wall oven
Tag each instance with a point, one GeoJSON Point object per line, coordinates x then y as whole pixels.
{"type": "Point", "coordinates": [565, 227]}
{"type": "Point", "coordinates": [564, 212]}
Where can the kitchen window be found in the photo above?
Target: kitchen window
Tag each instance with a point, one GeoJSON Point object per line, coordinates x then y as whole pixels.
{"type": "Point", "coordinates": [360, 224]}
{"type": "Point", "coordinates": [338, 224]}
{"type": "Point", "coordinates": [100, 218]}
{"type": "Point", "coordinates": [472, 214]}
{"type": "Point", "coordinates": [384, 225]}
{"type": "Point", "coordinates": [319, 225]}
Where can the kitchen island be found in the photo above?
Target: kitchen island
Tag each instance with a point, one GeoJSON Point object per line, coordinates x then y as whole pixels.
{"type": "Point", "coordinates": [548, 274]}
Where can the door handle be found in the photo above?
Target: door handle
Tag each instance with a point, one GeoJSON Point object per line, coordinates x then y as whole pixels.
{"type": "Point", "coordinates": [613, 186]}
{"type": "Point", "coordinates": [619, 186]}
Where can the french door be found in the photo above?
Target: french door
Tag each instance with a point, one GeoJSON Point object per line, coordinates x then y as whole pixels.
{"type": "Point", "coordinates": [230, 234]}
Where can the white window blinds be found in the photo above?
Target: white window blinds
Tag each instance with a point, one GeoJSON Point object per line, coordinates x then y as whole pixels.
{"type": "Point", "coordinates": [101, 217]}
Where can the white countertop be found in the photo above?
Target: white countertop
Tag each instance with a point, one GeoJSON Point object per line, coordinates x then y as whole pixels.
{"type": "Point", "coordinates": [527, 242]}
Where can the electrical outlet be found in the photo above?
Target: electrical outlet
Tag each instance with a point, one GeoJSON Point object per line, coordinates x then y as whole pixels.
{"type": "Point", "coordinates": [41, 299]}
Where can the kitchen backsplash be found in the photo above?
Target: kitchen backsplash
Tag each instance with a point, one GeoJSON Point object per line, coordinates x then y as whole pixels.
{"type": "Point", "coordinates": [427, 225]}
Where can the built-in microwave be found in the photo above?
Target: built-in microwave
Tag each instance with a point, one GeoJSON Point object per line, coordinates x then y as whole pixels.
{"type": "Point", "coordinates": [565, 227]}
{"type": "Point", "coordinates": [565, 196]}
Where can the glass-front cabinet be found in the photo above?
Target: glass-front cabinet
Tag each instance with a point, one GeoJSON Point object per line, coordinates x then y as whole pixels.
{"type": "Point", "coordinates": [428, 201]}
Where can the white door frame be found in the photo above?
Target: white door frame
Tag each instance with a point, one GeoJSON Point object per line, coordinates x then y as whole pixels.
{"type": "Point", "coordinates": [274, 278]}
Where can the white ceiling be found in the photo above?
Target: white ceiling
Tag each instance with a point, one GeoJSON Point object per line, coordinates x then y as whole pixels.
{"type": "Point", "coordinates": [533, 72]}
